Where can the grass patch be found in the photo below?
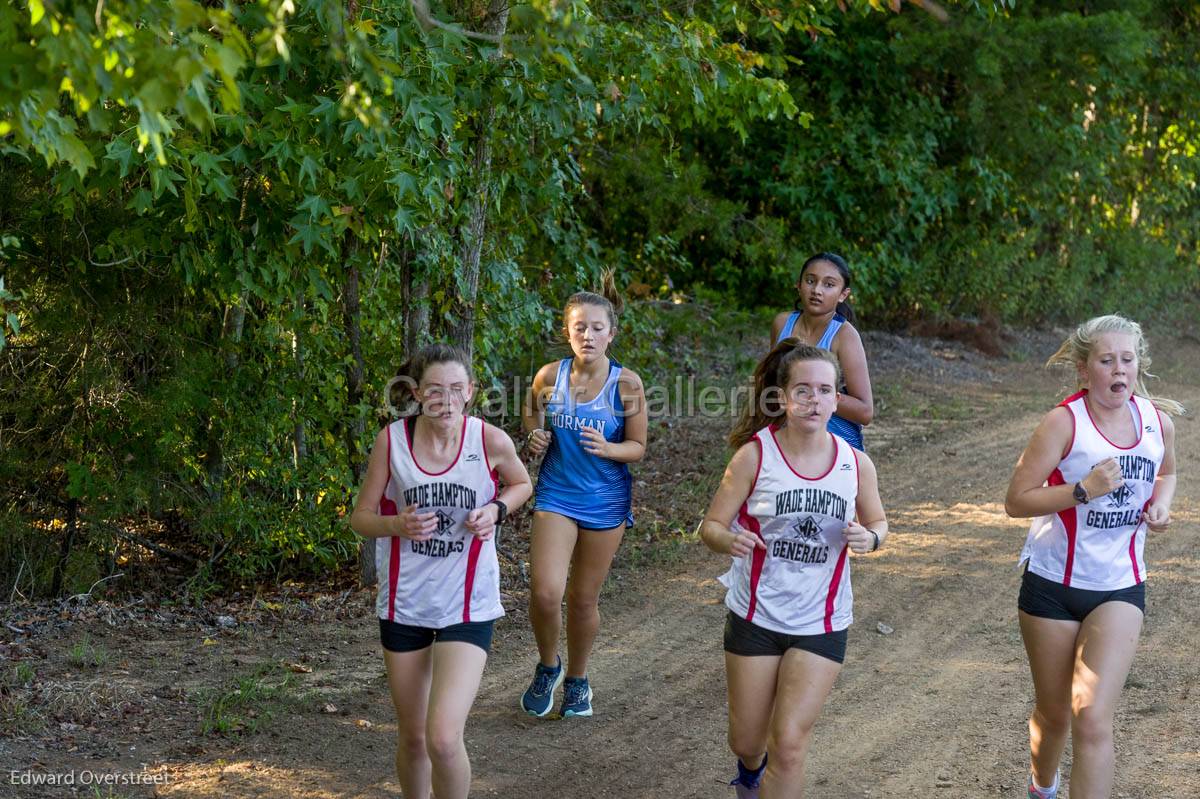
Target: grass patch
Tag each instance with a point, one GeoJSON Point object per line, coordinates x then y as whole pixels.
{"type": "Point", "coordinates": [247, 702]}
{"type": "Point", "coordinates": [85, 655]}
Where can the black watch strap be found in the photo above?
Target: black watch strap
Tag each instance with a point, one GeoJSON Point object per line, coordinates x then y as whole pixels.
{"type": "Point", "coordinates": [1080, 493]}
{"type": "Point", "coordinates": [500, 517]}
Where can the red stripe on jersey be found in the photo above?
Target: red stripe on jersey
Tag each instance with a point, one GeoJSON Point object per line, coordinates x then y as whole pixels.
{"type": "Point", "coordinates": [834, 582]}
{"type": "Point", "coordinates": [1073, 397]}
{"type": "Point", "coordinates": [491, 472]}
{"type": "Point", "coordinates": [472, 562]}
{"type": "Point", "coordinates": [1137, 575]}
{"type": "Point", "coordinates": [393, 576]}
{"type": "Point", "coordinates": [757, 557]}
{"type": "Point", "coordinates": [1069, 519]}
{"type": "Point", "coordinates": [387, 507]}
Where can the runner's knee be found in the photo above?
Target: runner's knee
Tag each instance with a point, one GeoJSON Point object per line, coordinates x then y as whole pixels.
{"type": "Point", "coordinates": [1092, 726]}
{"type": "Point", "coordinates": [444, 742]}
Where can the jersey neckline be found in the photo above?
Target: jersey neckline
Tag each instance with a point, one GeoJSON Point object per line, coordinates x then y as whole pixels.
{"type": "Point", "coordinates": [412, 451]}
{"type": "Point", "coordinates": [1137, 425]}
{"type": "Point", "coordinates": [783, 456]}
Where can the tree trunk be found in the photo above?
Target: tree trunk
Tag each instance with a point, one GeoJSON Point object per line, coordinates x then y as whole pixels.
{"type": "Point", "coordinates": [299, 441]}
{"type": "Point", "coordinates": [415, 289]}
{"type": "Point", "coordinates": [231, 336]}
{"type": "Point", "coordinates": [353, 430]}
{"type": "Point", "coordinates": [461, 330]}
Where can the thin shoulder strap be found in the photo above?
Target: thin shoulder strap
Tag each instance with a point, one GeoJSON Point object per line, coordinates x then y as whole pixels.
{"type": "Point", "coordinates": [788, 326]}
{"type": "Point", "coordinates": [831, 330]}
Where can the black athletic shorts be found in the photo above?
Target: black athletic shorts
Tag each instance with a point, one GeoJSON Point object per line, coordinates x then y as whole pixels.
{"type": "Point", "coordinates": [409, 638]}
{"type": "Point", "coordinates": [1050, 600]}
{"type": "Point", "coordinates": [749, 640]}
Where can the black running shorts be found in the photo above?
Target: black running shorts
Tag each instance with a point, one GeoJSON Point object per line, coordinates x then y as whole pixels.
{"type": "Point", "coordinates": [749, 640]}
{"type": "Point", "coordinates": [409, 638]}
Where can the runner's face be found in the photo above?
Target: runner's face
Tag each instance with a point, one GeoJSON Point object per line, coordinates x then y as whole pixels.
{"type": "Point", "coordinates": [589, 332]}
{"type": "Point", "coordinates": [811, 394]}
{"type": "Point", "coordinates": [821, 288]}
{"type": "Point", "coordinates": [444, 391]}
{"type": "Point", "coordinates": [1111, 369]}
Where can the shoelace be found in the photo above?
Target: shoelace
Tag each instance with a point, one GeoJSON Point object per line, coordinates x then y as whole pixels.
{"type": "Point", "coordinates": [543, 681]}
{"type": "Point", "coordinates": [576, 693]}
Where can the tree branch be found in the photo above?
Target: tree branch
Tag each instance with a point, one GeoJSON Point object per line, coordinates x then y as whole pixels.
{"type": "Point", "coordinates": [428, 22]}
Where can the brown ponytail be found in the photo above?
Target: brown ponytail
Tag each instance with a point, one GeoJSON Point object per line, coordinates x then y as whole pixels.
{"type": "Point", "coordinates": [766, 403]}
{"type": "Point", "coordinates": [609, 299]}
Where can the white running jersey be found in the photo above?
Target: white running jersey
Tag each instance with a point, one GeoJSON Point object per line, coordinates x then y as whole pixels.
{"type": "Point", "coordinates": [800, 584]}
{"type": "Point", "coordinates": [1098, 546]}
{"type": "Point", "coordinates": [453, 577]}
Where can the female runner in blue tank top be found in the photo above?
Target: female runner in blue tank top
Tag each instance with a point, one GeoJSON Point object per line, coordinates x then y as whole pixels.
{"type": "Point", "coordinates": [823, 318]}
{"type": "Point", "coordinates": [588, 415]}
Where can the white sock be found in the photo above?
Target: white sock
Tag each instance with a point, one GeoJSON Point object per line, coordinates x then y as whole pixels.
{"type": "Point", "coordinates": [1052, 789]}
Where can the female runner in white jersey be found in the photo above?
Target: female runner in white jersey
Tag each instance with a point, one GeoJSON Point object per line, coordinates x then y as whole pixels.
{"type": "Point", "coordinates": [432, 499]}
{"type": "Point", "coordinates": [794, 500]}
{"type": "Point", "coordinates": [1099, 471]}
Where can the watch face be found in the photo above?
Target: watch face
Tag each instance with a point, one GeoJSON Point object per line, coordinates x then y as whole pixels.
{"type": "Point", "coordinates": [1080, 493]}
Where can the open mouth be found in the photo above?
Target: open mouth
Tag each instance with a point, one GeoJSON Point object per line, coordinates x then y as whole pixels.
{"type": "Point", "coordinates": [1117, 387]}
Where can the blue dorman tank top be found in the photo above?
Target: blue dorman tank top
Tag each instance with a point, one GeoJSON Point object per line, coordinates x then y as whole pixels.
{"type": "Point", "coordinates": [851, 431]}
{"type": "Point", "coordinates": [594, 491]}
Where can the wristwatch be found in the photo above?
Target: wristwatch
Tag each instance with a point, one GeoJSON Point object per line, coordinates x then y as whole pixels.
{"type": "Point", "coordinates": [503, 510]}
{"type": "Point", "coordinates": [1080, 493]}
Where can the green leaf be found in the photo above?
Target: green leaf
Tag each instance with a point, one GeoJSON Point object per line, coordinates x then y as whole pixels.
{"type": "Point", "coordinates": [72, 150]}
{"type": "Point", "coordinates": [36, 11]}
{"type": "Point", "coordinates": [14, 323]}
{"type": "Point", "coordinates": [309, 166]}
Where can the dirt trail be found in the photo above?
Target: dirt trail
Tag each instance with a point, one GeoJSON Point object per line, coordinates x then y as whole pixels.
{"type": "Point", "coordinates": [937, 708]}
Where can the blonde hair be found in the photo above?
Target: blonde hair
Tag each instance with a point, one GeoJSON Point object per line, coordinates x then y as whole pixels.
{"type": "Point", "coordinates": [770, 382]}
{"type": "Point", "coordinates": [1075, 350]}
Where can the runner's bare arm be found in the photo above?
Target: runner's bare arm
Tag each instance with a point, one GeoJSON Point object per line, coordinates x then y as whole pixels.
{"type": "Point", "coordinates": [735, 488]}
{"type": "Point", "coordinates": [366, 520]}
{"type": "Point", "coordinates": [857, 404]}
{"type": "Point", "coordinates": [1027, 493]}
{"type": "Point", "coordinates": [1158, 512]}
{"type": "Point", "coordinates": [869, 515]}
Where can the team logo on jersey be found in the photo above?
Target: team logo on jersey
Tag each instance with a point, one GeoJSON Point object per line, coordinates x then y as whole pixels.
{"type": "Point", "coordinates": [474, 456]}
{"type": "Point", "coordinates": [1119, 496]}
{"type": "Point", "coordinates": [1149, 428]}
{"type": "Point", "coordinates": [807, 529]}
{"type": "Point", "coordinates": [444, 521]}
{"type": "Point", "coordinates": [845, 467]}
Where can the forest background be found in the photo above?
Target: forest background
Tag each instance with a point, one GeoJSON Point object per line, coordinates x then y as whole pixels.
{"type": "Point", "coordinates": [223, 225]}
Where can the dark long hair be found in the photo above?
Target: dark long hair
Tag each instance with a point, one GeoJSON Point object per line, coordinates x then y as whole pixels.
{"type": "Point", "coordinates": [410, 372]}
{"type": "Point", "coordinates": [840, 264]}
{"type": "Point", "coordinates": [770, 383]}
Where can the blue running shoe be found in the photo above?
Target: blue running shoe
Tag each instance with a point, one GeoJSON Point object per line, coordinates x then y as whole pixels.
{"type": "Point", "coordinates": [538, 698]}
{"type": "Point", "coordinates": [577, 698]}
{"type": "Point", "coordinates": [746, 783]}
{"type": "Point", "coordinates": [743, 791]}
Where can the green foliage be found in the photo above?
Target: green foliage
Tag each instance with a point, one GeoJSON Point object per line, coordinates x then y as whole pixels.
{"type": "Point", "coordinates": [954, 188]}
{"type": "Point", "coordinates": [207, 204]}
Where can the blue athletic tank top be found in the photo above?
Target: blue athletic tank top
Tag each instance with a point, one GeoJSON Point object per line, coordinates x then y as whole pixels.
{"type": "Point", "coordinates": [851, 431]}
{"type": "Point", "coordinates": [595, 492]}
